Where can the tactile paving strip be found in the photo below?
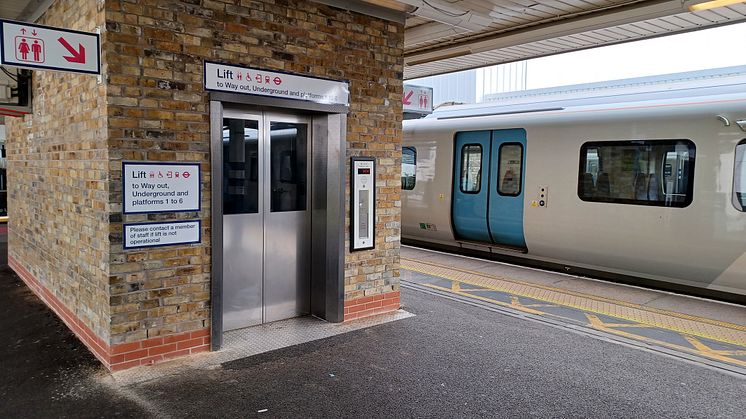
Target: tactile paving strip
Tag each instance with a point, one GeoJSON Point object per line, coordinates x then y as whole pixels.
{"type": "Point", "coordinates": [681, 323]}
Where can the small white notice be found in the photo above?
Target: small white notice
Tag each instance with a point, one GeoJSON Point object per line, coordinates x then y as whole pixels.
{"type": "Point", "coordinates": [161, 234]}
{"type": "Point", "coordinates": [253, 81]}
{"type": "Point", "coordinates": [160, 187]}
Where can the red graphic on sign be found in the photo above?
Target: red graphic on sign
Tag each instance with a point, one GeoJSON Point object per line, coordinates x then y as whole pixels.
{"type": "Point", "coordinates": [77, 56]}
{"type": "Point", "coordinates": [26, 45]}
{"type": "Point", "coordinates": [277, 81]}
{"type": "Point", "coordinates": [423, 102]}
{"type": "Point", "coordinates": [405, 100]}
{"type": "Point", "coordinates": [239, 76]}
{"type": "Point", "coordinates": [186, 175]}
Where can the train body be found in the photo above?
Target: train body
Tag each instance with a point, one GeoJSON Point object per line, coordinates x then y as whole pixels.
{"type": "Point", "coordinates": [649, 187]}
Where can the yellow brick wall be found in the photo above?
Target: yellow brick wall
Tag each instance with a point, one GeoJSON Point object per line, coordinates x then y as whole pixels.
{"type": "Point", "coordinates": [159, 111]}
{"type": "Point", "coordinates": [58, 171]}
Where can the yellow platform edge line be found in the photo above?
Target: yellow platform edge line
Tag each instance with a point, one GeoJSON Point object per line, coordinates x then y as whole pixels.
{"type": "Point", "coordinates": [582, 295]}
{"type": "Point", "coordinates": [701, 333]}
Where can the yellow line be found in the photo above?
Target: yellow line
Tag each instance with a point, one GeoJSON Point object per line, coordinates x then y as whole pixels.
{"type": "Point", "coordinates": [596, 323]}
{"type": "Point", "coordinates": [577, 294]}
{"type": "Point", "coordinates": [681, 323]}
{"type": "Point", "coordinates": [3, 218]}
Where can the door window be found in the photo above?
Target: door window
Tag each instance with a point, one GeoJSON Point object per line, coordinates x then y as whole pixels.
{"type": "Point", "coordinates": [240, 166]}
{"type": "Point", "coordinates": [510, 169]}
{"type": "Point", "coordinates": [288, 163]}
{"type": "Point", "coordinates": [471, 168]}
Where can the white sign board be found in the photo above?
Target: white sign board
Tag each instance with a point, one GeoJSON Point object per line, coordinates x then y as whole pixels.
{"type": "Point", "coordinates": [417, 99]}
{"type": "Point", "coordinates": [35, 46]}
{"type": "Point", "coordinates": [161, 234]}
{"type": "Point", "coordinates": [252, 81]}
{"type": "Point", "coordinates": [160, 187]}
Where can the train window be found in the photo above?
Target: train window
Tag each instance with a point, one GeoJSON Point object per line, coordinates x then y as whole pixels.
{"type": "Point", "coordinates": [408, 168]}
{"type": "Point", "coordinates": [739, 177]}
{"type": "Point", "coordinates": [656, 172]}
{"type": "Point", "coordinates": [471, 168]}
{"type": "Point", "coordinates": [510, 169]}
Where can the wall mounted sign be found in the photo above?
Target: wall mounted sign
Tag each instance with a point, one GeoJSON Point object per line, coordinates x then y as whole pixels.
{"type": "Point", "coordinates": [363, 205]}
{"type": "Point", "coordinates": [162, 234]}
{"type": "Point", "coordinates": [36, 46]}
{"type": "Point", "coordinates": [160, 187]}
{"type": "Point", "coordinates": [253, 81]}
{"type": "Point", "coordinates": [417, 99]}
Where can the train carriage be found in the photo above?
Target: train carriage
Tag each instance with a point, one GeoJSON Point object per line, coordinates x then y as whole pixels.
{"type": "Point", "coordinates": [624, 183]}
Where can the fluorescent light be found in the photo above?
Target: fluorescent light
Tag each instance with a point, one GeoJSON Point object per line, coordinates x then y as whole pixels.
{"type": "Point", "coordinates": [712, 4]}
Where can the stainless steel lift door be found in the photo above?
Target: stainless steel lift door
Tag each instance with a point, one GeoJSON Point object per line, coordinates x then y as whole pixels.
{"type": "Point", "coordinates": [266, 218]}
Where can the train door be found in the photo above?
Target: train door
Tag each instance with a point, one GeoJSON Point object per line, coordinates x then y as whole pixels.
{"type": "Point", "coordinates": [505, 209]}
{"type": "Point", "coordinates": [266, 218]}
{"type": "Point", "coordinates": [471, 185]}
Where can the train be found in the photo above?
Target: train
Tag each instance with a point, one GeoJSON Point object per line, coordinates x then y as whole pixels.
{"type": "Point", "coordinates": [641, 182]}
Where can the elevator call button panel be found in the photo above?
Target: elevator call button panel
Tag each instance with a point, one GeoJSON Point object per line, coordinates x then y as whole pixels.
{"type": "Point", "coordinates": [363, 203]}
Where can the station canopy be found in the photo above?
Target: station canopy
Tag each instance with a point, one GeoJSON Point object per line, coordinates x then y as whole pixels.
{"type": "Point", "coordinates": [443, 36]}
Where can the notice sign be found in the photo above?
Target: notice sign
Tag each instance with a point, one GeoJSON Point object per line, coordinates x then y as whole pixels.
{"type": "Point", "coordinates": [161, 234]}
{"type": "Point", "coordinates": [36, 46]}
{"type": "Point", "coordinates": [417, 99]}
{"type": "Point", "coordinates": [160, 187]}
{"type": "Point", "coordinates": [252, 81]}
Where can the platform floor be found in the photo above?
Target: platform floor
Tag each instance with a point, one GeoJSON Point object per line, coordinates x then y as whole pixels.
{"type": "Point", "coordinates": [700, 327]}
{"type": "Point", "coordinates": [458, 356]}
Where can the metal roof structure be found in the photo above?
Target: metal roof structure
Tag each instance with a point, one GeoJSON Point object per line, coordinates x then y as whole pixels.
{"type": "Point", "coordinates": [443, 36]}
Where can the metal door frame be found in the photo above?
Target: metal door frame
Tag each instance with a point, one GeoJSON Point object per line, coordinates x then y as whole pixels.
{"type": "Point", "coordinates": [328, 126]}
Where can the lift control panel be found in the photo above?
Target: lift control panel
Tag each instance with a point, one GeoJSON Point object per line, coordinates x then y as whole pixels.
{"type": "Point", "coordinates": [363, 205]}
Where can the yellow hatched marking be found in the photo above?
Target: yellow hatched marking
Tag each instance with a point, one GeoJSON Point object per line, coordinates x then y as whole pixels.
{"type": "Point", "coordinates": [489, 300]}
{"type": "Point", "coordinates": [699, 348]}
{"type": "Point", "coordinates": [681, 323]}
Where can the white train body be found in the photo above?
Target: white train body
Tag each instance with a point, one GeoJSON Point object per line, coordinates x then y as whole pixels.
{"type": "Point", "coordinates": [701, 244]}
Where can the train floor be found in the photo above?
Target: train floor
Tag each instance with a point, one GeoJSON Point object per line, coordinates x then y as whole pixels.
{"type": "Point", "coordinates": [469, 350]}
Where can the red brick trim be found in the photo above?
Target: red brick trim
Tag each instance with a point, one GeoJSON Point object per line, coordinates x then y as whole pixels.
{"type": "Point", "coordinates": [371, 305]}
{"type": "Point", "coordinates": [123, 355]}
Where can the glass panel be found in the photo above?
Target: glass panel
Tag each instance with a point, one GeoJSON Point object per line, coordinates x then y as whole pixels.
{"type": "Point", "coordinates": [638, 172]}
{"type": "Point", "coordinates": [471, 168]}
{"type": "Point", "coordinates": [408, 168]}
{"type": "Point", "coordinates": [739, 177]}
{"type": "Point", "coordinates": [240, 166]}
{"type": "Point", "coordinates": [509, 178]}
{"type": "Point", "coordinates": [288, 162]}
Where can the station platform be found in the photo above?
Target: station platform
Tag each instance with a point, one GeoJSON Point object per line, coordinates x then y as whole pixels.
{"type": "Point", "coordinates": [686, 325]}
{"type": "Point", "coordinates": [475, 339]}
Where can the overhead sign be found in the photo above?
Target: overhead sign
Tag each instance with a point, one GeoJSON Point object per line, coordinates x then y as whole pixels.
{"type": "Point", "coordinates": [417, 99]}
{"type": "Point", "coordinates": [253, 81]}
{"type": "Point", "coordinates": [36, 46]}
{"type": "Point", "coordinates": [160, 187]}
{"type": "Point", "coordinates": [161, 234]}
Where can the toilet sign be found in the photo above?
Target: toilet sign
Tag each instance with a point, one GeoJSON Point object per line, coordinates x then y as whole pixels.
{"type": "Point", "coordinates": [44, 47]}
{"type": "Point", "coordinates": [417, 99]}
{"type": "Point", "coordinates": [160, 187]}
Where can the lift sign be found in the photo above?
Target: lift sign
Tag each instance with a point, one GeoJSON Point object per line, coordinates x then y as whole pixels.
{"type": "Point", "coordinates": [160, 187]}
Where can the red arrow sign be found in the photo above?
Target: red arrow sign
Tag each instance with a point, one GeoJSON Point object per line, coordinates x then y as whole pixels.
{"type": "Point", "coordinates": [77, 56]}
{"type": "Point", "coordinates": [405, 100]}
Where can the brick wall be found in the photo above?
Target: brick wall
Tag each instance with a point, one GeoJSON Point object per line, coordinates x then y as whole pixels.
{"type": "Point", "coordinates": [140, 306]}
{"type": "Point", "coordinates": [58, 169]}
{"type": "Point", "coordinates": [158, 111]}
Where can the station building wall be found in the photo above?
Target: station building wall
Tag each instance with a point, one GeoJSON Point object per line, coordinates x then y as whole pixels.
{"type": "Point", "coordinates": [143, 306]}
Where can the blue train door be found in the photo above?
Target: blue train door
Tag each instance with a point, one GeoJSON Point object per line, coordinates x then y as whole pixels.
{"type": "Point", "coordinates": [505, 202]}
{"type": "Point", "coordinates": [471, 185]}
